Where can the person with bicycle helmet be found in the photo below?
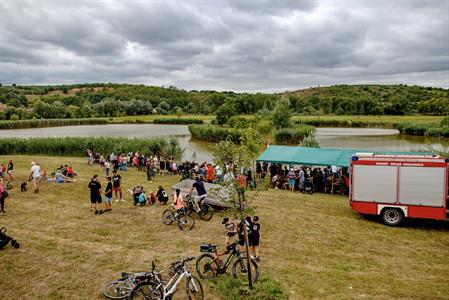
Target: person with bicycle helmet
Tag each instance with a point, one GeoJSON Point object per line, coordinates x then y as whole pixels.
{"type": "Point", "coordinates": [201, 191]}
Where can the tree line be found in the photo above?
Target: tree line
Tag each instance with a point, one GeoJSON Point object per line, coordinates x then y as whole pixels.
{"type": "Point", "coordinates": [112, 100]}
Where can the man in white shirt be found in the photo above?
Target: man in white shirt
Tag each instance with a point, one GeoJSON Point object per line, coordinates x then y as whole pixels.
{"type": "Point", "coordinates": [35, 175]}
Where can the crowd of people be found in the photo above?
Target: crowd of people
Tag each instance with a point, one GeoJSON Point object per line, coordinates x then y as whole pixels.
{"type": "Point", "coordinates": [330, 179]}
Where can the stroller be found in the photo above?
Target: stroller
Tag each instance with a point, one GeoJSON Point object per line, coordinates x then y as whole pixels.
{"type": "Point", "coordinates": [5, 239]}
{"type": "Point", "coordinates": [308, 185]}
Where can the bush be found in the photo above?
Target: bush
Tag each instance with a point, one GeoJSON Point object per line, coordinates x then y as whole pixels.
{"type": "Point", "coordinates": [281, 115]}
{"type": "Point", "coordinates": [213, 133]}
{"type": "Point", "coordinates": [264, 127]}
{"type": "Point", "coordinates": [240, 122]}
{"type": "Point", "coordinates": [76, 146]}
{"type": "Point", "coordinates": [37, 123]}
{"type": "Point", "coordinates": [233, 288]}
{"type": "Point", "coordinates": [14, 117]}
{"type": "Point", "coordinates": [293, 136]}
{"type": "Point", "coordinates": [177, 121]}
{"type": "Point", "coordinates": [445, 121]}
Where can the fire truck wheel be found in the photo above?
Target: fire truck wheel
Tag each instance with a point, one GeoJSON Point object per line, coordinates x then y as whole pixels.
{"type": "Point", "coordinates": [392, 216]}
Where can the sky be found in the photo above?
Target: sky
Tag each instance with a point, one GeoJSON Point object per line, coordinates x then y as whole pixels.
{"type": "Point", "coordinates": [252, 45]}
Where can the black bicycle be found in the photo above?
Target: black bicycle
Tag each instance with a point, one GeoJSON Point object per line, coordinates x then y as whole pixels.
{"type": "Point", "coordinates": [209, 265]}
{"type": "Point", "coordinates": [206, 212]}
{"type": "Point", "coordinates": [184, 220]}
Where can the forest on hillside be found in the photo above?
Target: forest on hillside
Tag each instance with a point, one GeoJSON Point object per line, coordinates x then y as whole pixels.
{"type": "Point", "coordinates": [112, 100]}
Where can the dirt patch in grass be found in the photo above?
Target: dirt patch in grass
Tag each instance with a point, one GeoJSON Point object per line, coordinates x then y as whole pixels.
{"type": "Point", "coordinates": [314, 245]}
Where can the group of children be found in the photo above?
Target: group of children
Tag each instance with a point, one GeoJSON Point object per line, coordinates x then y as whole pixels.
{"type": "Point", "coordinates": [235, 230]}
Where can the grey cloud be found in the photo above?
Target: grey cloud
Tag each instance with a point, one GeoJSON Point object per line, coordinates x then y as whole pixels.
{"type": "Point", "coordinates": [234, 45]}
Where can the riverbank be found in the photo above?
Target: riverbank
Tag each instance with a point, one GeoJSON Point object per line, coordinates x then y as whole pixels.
{"type": "Point", "coordinates": [409, 125]}
{"type": "Point", "coordinates": [69, 253]}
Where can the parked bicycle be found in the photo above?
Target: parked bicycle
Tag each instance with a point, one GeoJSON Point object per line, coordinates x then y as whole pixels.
{"type": "Point", "coordinates": [210, 264]}
{"type": "Point", "coordinates": [152, 290]}
{"type": "Point", "coordinates": [206, 212]}
{"type": "Point", "coordinates": [122, 288]}
{"type": "Point", "coordinates": [184, 220]}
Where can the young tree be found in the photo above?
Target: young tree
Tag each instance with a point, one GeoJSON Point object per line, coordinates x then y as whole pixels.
{"type": "Point", "coordinates": [224, 112]}
{"type": "Point", "coordinates": [280, 118]}
{"type": "Point", "coordinates": [234, 160]}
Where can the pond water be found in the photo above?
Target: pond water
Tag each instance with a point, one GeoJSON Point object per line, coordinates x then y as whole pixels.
{"type": "Point", "coordinates": [355, 138]}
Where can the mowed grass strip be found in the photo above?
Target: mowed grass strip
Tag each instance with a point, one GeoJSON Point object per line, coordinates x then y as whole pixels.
{"type": "Point", "coordinates": [313, 244]}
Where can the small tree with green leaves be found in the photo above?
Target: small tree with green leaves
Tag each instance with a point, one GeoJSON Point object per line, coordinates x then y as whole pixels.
{"type": "Point", "coordinates": [281, 116]}
{"type": "Point", "coordinates": [235, 160]}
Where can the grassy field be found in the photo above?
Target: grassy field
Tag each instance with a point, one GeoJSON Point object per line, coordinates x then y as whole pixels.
{"type": "Point", "coordinates": [313, 244]}
{"type": "Point", "coordinates": [418, 119]}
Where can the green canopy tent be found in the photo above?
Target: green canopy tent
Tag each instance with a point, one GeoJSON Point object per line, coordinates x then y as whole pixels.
{"type": "Point", "coordinates": [317, 156]}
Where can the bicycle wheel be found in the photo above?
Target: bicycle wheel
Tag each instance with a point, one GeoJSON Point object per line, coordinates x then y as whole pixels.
{"type": "Point", "coordinates": [147, 290]}
{"type": "Point", "coordinates": [206, 266]}
{"type": "Point", "coordinates": [194, 289]}
{"type": "Point", "coordinates": [185, 222]}
{"type": "Point", "coordinates": [118, 289]}
{"type": "Point", "coordinates": [206, 212]}
{"type": "Point", "coordinates": [167, 217]}
{"type": "Point", "coordinates": [240, 269]}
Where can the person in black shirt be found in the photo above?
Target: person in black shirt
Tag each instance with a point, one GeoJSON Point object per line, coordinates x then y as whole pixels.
{"type": "Point", "coordinates": [200, 190]}
{"type": "Point", "coordinates": [95, 194]}
{"type": "Point", "coordinates": [10, 169]}
{"type": "Point", "coordinates": [162, 195]}
{"type": "Point", "coordinates": [254, 237]}
{"type": "Point", "coordinates": [116, 186]}
{"type": "Point", "coordinates": [108, 194]}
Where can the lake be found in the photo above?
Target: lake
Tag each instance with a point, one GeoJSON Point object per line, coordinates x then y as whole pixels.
{"type": "Point", "coordinates": [355, 138]}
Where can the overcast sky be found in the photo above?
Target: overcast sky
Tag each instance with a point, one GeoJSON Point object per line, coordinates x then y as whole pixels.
{"type": "Point", "coordinates": [266, 45]}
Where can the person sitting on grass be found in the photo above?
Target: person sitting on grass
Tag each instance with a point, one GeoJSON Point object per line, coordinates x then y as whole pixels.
{"type": "Point", "coordinates": [162, 195]}
{"type": "Point", "coordinates": [142, 199]}
{"type": "Point", "coordinates": [60, 178]}
{"type": "Point", "coordinates": [108, 194]}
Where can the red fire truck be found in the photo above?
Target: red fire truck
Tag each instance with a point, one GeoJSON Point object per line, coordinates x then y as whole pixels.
{"type": "Point", "coordinates": [399, 186]}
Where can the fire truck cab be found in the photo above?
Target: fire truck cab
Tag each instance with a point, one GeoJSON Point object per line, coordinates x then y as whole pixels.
{"type": "Point", "coordinates": [399, 186]}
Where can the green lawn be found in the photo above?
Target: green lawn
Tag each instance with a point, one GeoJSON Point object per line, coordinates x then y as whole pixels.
{"type": "Point", "coordinates": [313, 244]}
{"type": "Point", "coordinates": [418, 119]}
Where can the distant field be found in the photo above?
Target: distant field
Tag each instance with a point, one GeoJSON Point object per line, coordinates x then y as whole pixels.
{"type": "Point", "coordinates": [313, 244]}
{"type": "Point", "coordinates": [418, 119]}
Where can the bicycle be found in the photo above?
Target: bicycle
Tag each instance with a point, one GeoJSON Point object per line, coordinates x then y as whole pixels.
{"type": "Point", "coordinates": [152, 290]}
{"type": "Point", "coordinates": [206, 212]}
{"type": "Point", "coordinates": [184, 220]}
{"type": "Point", "coordinates": [123, 287]}
{"type": "Point", "coordinates": [209, 266]}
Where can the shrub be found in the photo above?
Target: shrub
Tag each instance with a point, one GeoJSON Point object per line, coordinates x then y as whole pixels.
{"type": "Point", "coordinates": [232, 288]}
{"type": "Point", "coordinates": [76, 146]}
{"type": "Point", "coordinates": [37, 123]}
{"type": "Point", "coordinates": [281, 115]}
{"type": "Point", "coordinates": [264, 127]}
{"type": "Point", "coordinates": [445, 121]}
{"type": "Point", "coordinates": [290, 136]}
{"type": "Point", "coordinates": [14, 117]}
{"type": "Point", "coordinates": [213, 133]}
{"type": "Point", "coordinates": [240, 122]}
{"type": "Point", "coordinates": [177, 121]}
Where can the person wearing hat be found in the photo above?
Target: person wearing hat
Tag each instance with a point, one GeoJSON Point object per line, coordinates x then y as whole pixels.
{"type": "Point", "coordinates": [231, 229]}
{"type": "Point", "coordinates": [35, 174]}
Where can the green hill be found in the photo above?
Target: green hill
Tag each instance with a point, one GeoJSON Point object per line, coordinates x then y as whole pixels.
{"type": "Point", "coordinates": [107, 99]}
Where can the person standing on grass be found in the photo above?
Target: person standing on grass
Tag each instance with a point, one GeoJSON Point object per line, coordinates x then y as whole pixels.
{"type": "Point", "coordinates": [254, 237]}
{"type": "Point", "coordinates": [231, 230]}
{"type": "Point", "coordinates": [107, 167]}
{"type": "Point", "coordinates": [116, 178]}
{"type": "Point", "coordinates": [108, 194]}
{"type": "Point", "coordinates": [35, 174]}
{"type": "Point", "coordinates": [10, 169]}
{"type": "Point", "coordinates": [95, 195]}
{"type": "Point", "coordinates": [3, 195]}
{"type": "Point", "coordinates": [291, 179]}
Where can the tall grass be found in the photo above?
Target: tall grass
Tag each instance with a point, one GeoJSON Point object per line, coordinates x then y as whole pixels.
{"type": "Point", "coordinates": [37, 123]}
{"type": "Point", "coordinates": [177, 121]}
{"type": "Point", "coordinates": [77, 146]}
{"type": "Point", "coordinates": [347, 123]}
{"type": "Point", "coordinates": [290, 136]}
{"type": "Point", "coordinates": [212, 133]}
{"type": "Point", "coordinates": [423, 129]}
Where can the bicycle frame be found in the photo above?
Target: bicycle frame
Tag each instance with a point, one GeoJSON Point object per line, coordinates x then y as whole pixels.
{"type": "Point", "coordinates": [171, 286]}
{"type": "Point", "coordinates": [232, 255]}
